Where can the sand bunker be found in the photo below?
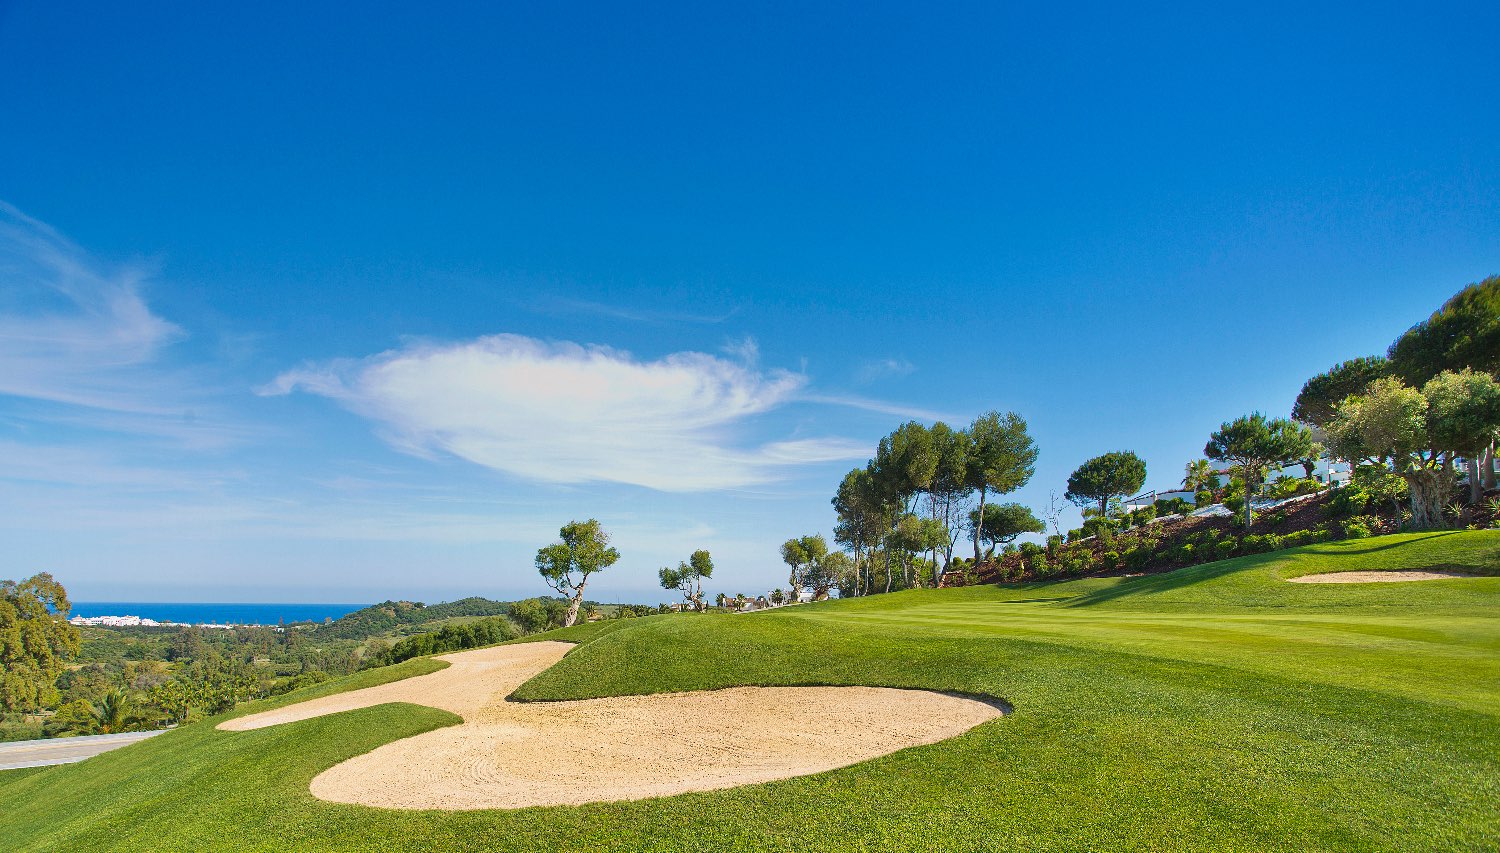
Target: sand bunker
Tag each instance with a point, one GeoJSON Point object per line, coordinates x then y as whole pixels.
{"type": "Point", "coordinates": [515, 754]}
{"type": "Point", "coordinates": [1377, 577]}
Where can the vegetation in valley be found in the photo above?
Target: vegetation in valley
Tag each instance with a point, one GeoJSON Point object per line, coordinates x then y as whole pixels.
{"type": "Point", "coordinates": [61, 680]}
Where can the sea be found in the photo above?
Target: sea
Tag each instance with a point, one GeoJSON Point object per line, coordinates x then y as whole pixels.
{"type": "Point", "coordinates": [214, 613]}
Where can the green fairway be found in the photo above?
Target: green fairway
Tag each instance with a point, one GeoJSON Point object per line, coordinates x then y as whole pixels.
{"type": "Point", "coordinates": [1214, 708]}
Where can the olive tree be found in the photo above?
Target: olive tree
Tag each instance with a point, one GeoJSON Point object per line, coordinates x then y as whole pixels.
{"type": "Point", "coordinates": [688, 577]}
{"type": "Point", "coordinates": [582, 550]}
{"type": "Point", "coordinates": [1462, 334]}
{"type": "Point", "coordinates": [1111, 475]}
{"type": "Point", "coordinates": [1255, 443]}
{"type": "Point", "coordinates": [1420, 433]}
{"type": "Point", "coordinates": [803, 555]}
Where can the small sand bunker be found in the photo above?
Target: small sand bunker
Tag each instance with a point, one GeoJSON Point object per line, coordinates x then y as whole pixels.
{"type": "Point", "coordinates": [472, 680]}
{"type": "Point", "coordinates": [1377, 577]}
{"type": "Point", "coordinates": [515, 754]}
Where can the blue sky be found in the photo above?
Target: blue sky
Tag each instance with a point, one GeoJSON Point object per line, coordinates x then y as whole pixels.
{"type": "Point", "coordinates": [299, 305]}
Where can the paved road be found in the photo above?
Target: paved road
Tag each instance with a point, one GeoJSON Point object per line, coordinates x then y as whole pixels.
{"type": "Point", "coordinates": [63, 750]}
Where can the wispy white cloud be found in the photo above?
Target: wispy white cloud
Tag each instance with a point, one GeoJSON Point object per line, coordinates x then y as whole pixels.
{"type": "Point", "coordinates": [881, 407]}
{"type": "Point", "coordinates": [884, 368]}
{"type": "Point", "coordinates": [567, 305]}
{"type": "Point", "coordinates": [567, 413]}
{"type": "Point", "coordinates": [96, 468]}
{"type": "Point", "coordinates": [71, 330]}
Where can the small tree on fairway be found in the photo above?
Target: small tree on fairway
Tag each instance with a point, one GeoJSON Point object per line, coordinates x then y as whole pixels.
{"type": "Point", "coordinates": [1003, 523]}
{"type": "Point", "coordinates": [1255, 443]}
{"type": "Point", "coordinates": [567, 564]}
{"type": "Point", "coordinates": [1104, 477]}
{"type": "Point", "coordinates": [688, 578]}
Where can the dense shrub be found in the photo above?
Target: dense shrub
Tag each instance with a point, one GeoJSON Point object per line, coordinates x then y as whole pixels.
{"type": "Point", "coordinates": [1285, 488]}
{"type": "Point", "coordinates": [1225, 549]}
{"type": "Point", "coordinates": [1175, 506]}
{"type": "Point", "coordinates": [1138, 558]}
{"type": "Point", "coordinates": [471, 635]}
{"type": "Point", "coordinates": [1349, 501]}
{"type": "Point", "coordinates": [1109, 560]}
{"type": "Point", "coordinates": [1203, 498]}
{"type": "Point", "coordinates": [1359, 527]}
{"type": "Point", "coordinates": [1303, 537]}
{"type": "Point", "coordinates": [1257, 544]}
{"type": "Point", "coordinates": [1144, 515]}
{"type": "Point", "coordinates": [1098, 526]}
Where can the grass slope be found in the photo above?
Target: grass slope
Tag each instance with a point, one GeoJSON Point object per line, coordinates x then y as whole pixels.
{"type": "Point", "coordinates": [1213, 708]}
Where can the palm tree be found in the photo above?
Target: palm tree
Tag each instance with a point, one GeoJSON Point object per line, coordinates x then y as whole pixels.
{"type": "Point", "coordinates": [1200, 476]}
{"type": "Point", "coordinates": [113, 712]}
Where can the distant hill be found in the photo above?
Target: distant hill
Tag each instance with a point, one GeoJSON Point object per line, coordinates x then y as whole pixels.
{"type": "Point", "coordinates": [388, 616]}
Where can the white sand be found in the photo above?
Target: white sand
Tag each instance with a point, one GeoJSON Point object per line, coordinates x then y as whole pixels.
{"type": "Point", "coordinates": [1377, 577]}
{"type": "Point", "coordinates": [514, 754]}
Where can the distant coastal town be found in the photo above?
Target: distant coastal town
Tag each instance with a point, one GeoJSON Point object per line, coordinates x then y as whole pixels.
{"type": "Point", "coordinates": [142, 622]}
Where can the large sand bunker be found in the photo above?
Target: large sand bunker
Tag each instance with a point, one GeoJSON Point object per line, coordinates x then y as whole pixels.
{"type": "Point", "coordinates": [515, 754]}
{"type": "Point", "coordinates": [1377, 577]}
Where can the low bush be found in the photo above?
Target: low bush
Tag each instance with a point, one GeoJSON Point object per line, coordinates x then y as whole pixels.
{"type": "Point", "coordinates": [1225, 549]}
{"type": "Point", "coordinates": [1257, 543]}
{"type": "Point", "coordinates": [1285, 488]}
{"type": "Point", "coordinates": [1138, 558]}
{"type": "Point", "coordinates": [1175, 506]}
{"type": "Point", "coordinates": [1348, 502]}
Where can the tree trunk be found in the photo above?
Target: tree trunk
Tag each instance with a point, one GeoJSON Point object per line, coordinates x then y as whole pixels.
{"type": "Point", "coordinates": [979, 528]}
{"type": "Point", "coordinates": [1249, 510]}
{"type": "Point", "coordinates": [1426, 498]}
{"type": "Point", "coordinates": [573, 606]}
{"type": "Point", "coordinates": [1487, 467]}
{"type": "Point", "coordinates": [1476, 488]}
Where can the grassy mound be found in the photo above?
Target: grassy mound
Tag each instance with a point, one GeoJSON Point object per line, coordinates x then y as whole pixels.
{"type": "Point", "coordinates": [1217, 707]}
